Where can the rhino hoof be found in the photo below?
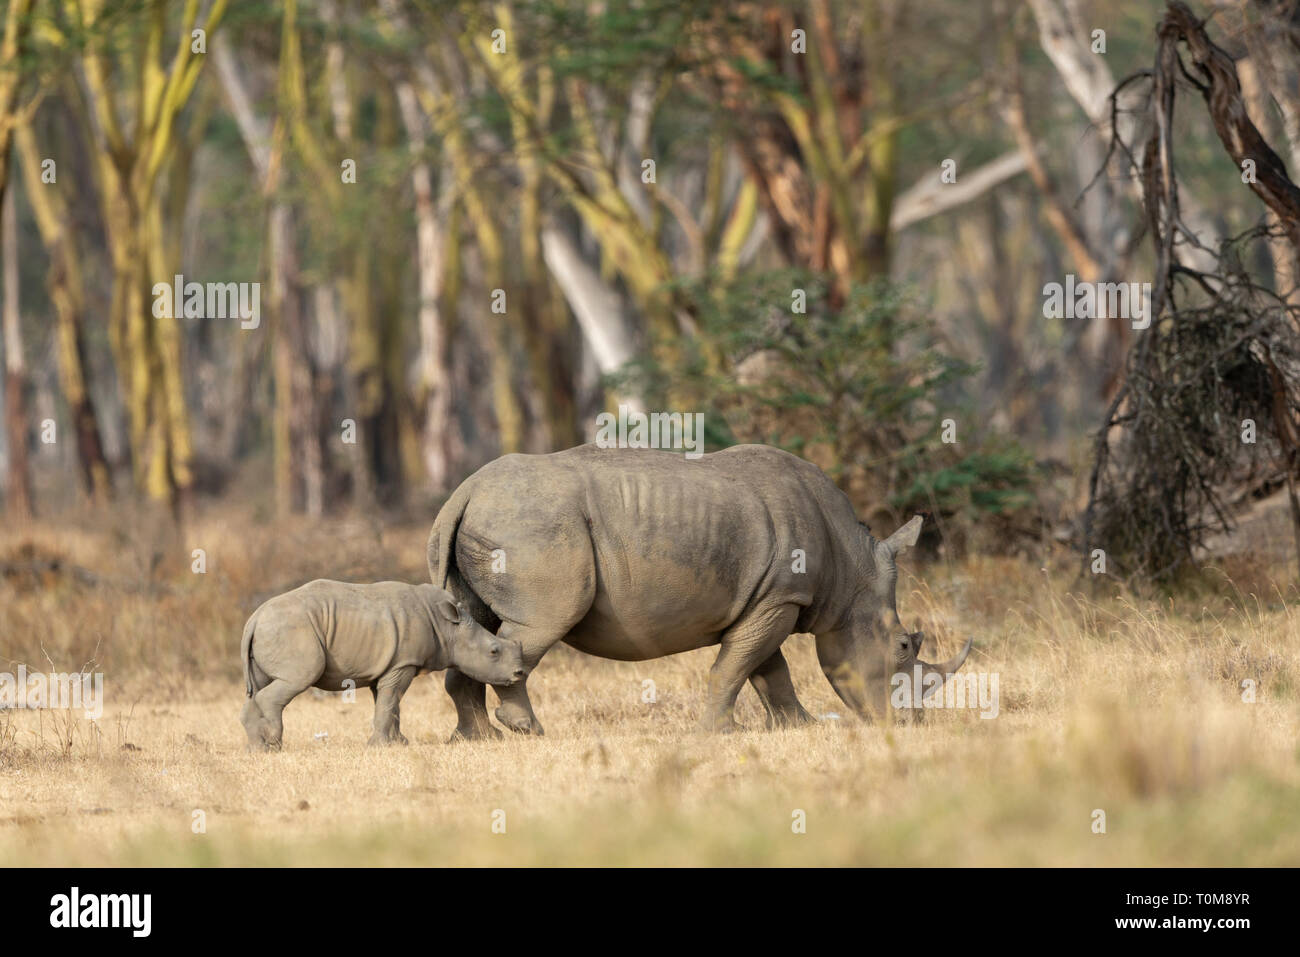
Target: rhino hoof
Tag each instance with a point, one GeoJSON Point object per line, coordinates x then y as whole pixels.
{"type": "Point", "coordinates": [518, 721]}
{"type": "Point", "coordinates": [795, 719]}
{"type": "Point", "coordinates": [721, 726]}
{"type": "Point", "coordinates": [488, 733]}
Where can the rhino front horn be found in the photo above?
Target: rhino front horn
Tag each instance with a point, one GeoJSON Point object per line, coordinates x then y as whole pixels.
{"type": "Point", "coordinates": [948, 667]}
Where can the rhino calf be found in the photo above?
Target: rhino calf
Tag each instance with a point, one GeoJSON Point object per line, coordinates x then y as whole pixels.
{"type": "Point", "coordinates": [335, 635]}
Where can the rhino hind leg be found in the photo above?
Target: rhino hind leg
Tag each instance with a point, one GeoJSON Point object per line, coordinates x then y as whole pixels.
{"type": "Point", "coordinates": [746, 646]}
{"type": "Point", "coordinates": [289, 663]}
{"type": "Point", "coordinates": [251, 719]}
{"type": "Point", "coordinates": [771, 680]}
{"type": "Point", "coordinates": [470, 698]}
{"type": "Point", "coordinates": [561, 577]}
{"type": "Point", "coordinates": [264, 720]}
{"type": "Point", "coordinates": [516, 710]}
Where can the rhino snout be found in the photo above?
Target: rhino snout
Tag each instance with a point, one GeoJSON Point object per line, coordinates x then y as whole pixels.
{"type": "Point", "coordinates": [508, 661]}
{"type": "Point", "coordinates": [515, 663]}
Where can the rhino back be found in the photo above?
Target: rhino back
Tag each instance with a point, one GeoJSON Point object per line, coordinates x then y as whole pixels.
{"type": "Point", "coordinates": [364, 629]}
{"type": "Point", "coordinates": [675, 549]}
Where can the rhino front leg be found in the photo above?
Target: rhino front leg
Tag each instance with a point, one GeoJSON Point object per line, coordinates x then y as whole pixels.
{"type": "Point", "coordinates": [388, 704]}
{"type": "Point", "coordinates": [771, 680]}
{"type": "Point", "coordinates": [746, 645]}
{"type": "Point", "coordinates": [470, 698]}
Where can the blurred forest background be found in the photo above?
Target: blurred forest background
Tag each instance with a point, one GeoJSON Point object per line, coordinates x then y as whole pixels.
{"type": "Point", "coordinates": [478, 225]}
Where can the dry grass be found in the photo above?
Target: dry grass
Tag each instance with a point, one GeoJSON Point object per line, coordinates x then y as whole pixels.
{"type": "Point", "coordinates": [1130, 707]}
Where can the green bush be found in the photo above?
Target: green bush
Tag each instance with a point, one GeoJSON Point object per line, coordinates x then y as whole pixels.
{"type": "Point", "coordinates": [857, 386]}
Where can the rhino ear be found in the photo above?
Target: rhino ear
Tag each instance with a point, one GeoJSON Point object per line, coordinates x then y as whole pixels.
{"type": "Point", "coordinates": [449, 610]}
{"type": "Point", "coordinates": [905, 537]}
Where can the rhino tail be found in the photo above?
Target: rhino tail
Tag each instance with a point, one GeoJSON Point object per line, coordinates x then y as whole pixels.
{"type": "Point", "coordinates": [246, 655]}
{"type": "Point", "coordinates": [442, 539]}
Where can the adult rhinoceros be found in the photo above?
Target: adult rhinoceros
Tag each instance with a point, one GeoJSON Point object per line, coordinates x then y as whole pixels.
{"type": "Point", "coordinates": [635, 554]}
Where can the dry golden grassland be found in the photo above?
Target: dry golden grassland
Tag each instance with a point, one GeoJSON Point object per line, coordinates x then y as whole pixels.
{"type": "Point", "coordinates": [1131, 707]}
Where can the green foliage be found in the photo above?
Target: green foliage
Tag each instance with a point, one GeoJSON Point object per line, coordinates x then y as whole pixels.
{"type": "Point", "coordinates": [612, 44]}
{"type": "Point", "coordinates": [994, 481]}
{"type": "Point", "coordinates": [858, 387]}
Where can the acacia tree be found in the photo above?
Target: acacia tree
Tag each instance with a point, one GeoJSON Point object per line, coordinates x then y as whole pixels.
{"type": "Point", "coordinates": [66, 286]}
{"type": "Point", "coordinates": [805, 100]}
{"type": "Point", "coordinates": [128, 74]}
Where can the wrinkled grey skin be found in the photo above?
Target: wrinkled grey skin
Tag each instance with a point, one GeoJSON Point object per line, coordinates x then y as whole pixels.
{"type": "Point", "coordinates": [378, 636]}
{"type": "Point", "coordinates": [635, 554]}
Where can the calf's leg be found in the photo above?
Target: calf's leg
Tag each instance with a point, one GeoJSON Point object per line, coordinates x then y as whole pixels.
{"type": "Point", "coordinates": [388, 703]}
{"type": "Point", "coordinates": [267, 731]}
{"type": "Point", "coordinates": [293, 660]}
{"type": "Point", "coordinates": [251, 718]}
{"type": "Point", "coordinates": [470, 698]}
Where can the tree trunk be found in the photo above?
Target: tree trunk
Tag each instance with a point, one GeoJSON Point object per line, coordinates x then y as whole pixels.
{"type": "Point", "coordinates": [299, 459]}
{"type": "Point", "coordinates": [299, 467]}
{"type": "Point", "coordinates": [67, 294]}
{"type": "Point", "coordinates": [19, 479]}
{"type": "Point", "coordinates": [433, 384]}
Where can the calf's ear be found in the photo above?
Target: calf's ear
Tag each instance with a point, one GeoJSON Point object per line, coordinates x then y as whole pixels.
{"type": "Point", "coordinates": [906, 536]}
{"type": "Point", "coordinates": [449, 610]}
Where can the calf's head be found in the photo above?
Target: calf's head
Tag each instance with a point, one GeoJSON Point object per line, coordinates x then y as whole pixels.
{"type": "Point", "coordinates": [472, 649]}
{"type": "Point", "coordinates": [863, 655]}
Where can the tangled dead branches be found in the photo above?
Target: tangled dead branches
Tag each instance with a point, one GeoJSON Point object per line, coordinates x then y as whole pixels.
{"type": "Point", "coordinates": [1209, 407]}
